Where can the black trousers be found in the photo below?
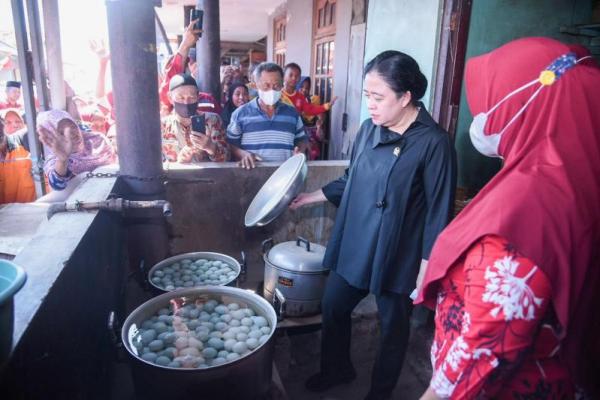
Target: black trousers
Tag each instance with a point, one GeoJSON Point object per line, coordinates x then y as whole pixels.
{"type": "Point", "coordinates": [394, 309]}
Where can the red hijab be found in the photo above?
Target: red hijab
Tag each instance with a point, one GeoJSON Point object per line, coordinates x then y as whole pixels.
{"type": "Point", "coordinates": [546, 199]}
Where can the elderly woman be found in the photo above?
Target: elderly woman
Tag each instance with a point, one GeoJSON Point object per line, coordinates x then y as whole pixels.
{"type": "Point", "coordinates": [13, 121]}
{"type": "Point", "coordinates": [71, 151]}
{"type": "Point", "coordinates": [514, 279]}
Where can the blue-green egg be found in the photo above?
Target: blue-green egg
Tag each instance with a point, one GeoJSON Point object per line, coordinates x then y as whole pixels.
{"type": "Point", "coordinates": [252, 343]}
{"type": "Point", "coordinates": [148, 336]}
{"type": "Point", "coordinates": [216, 343]}
{"type": "Point", "coordinates": [151, 357]}
{"type": "Point", "coordinates": [163, 361]}
{"type": "Point", "coordinates": [240, 347]}
{"type": "Point", "coordinates": [209, 352]}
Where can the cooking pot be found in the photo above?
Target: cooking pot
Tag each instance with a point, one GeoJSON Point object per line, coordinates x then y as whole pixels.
{"type": "Point", "coordinates": [294, 276]}
{"type": "Point", "coordinates": [248, 377]}
{"type": "Point", "coordinates": [232, 262]}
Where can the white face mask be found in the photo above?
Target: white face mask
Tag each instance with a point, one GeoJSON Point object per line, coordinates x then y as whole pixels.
{"type": "Point", "coordinates": [269, 97]}
{"type": "Point", "coordinates": [485, 144]}
{"type": "Point", "coordinates": [488, 144]}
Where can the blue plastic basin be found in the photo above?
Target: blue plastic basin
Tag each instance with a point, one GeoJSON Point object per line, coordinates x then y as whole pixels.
{"type": "Point", "coordinates": [12, 278]}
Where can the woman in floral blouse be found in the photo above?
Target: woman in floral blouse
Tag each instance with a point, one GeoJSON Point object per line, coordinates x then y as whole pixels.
{"type": "Point", "coordinates": [514, 278]}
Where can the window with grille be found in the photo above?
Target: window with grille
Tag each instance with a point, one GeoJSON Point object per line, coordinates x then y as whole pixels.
{"type": "Point", "coordinates": [279, 42]}
{"type": "Point", "coordinates": [323, 48]}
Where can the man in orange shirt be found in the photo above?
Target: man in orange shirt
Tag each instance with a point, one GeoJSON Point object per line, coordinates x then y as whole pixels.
{"type": "Point", "coordinates": [16, 182]}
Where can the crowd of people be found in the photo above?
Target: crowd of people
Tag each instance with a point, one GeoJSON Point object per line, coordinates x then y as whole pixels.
{"type": "Point", "coordinates": [267, 116]}
{"type": "Point", "coordinates": [513, 279]}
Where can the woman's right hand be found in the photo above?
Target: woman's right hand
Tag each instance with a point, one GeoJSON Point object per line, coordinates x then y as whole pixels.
{"type": "Point", "coordinates": [61, 145]}
{"type": "Point", "coordinates": [308, 198]}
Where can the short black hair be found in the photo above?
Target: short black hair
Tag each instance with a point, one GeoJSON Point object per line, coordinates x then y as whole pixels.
{"type": "Point", "coordinates": [266, 67]}
{"type": "Point", "coordinates": [401, 72]}
{"type": "Point", "coordinates": [293, 65]}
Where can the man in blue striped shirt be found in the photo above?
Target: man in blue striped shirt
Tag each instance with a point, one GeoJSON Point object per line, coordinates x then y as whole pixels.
{"type": "Point", "coordinates": [266, 129]}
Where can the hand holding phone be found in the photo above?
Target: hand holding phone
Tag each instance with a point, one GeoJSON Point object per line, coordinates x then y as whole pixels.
{"type": "Point", "coordinates": [198, 125]}
{"type": "Point", "coordinates": [198, 16]}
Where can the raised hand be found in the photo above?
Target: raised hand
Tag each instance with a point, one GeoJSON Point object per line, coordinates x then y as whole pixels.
{"type": "Point", "coordinates": [99, 48]}
{"type": "Point", "coordinates": [190, 36]}
{"type": "Point", "coordinates": [62, 145]}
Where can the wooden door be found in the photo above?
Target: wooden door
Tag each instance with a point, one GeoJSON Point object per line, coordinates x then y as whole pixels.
{"type": "Point", "coordinates": [353, 102]}
{"type": "Point", "coordinates": [451, 63]}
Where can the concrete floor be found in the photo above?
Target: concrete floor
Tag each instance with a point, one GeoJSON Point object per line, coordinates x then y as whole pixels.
{"type": "Point", "coordinates": [297, 358]}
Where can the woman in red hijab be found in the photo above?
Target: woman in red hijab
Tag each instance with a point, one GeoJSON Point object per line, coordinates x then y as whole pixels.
{"type": "Point", "coordinates": [515, 278]}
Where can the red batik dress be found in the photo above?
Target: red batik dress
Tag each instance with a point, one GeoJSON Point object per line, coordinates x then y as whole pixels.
{"type": "Point", "coordinates": [496, 335]}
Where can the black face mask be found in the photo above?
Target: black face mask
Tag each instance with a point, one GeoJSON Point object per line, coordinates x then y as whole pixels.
{"type": "Point", "coordinates": [185, 110]}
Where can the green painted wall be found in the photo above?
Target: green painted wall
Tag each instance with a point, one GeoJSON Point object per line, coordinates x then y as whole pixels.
{"type": "Point", "coordinates": [405, 25]}
{"type": "Point", "coordinates": [494, 23]}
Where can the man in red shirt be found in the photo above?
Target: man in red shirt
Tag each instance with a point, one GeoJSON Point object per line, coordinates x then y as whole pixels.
{"type": "Point", "coordinates": [13, 95]}
{"type": "Point", "coordinates": [186, 54]}
{"type": "Point", "coordinates": [295, 97]}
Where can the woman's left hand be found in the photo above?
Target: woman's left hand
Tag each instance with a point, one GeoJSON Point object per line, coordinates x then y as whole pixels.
{"type": "Point", "coordinates": [430, 395]}
{"type": "Point", "coordinates": [421, 276]}
{"type": "Point", "coordinates": [186, 154]}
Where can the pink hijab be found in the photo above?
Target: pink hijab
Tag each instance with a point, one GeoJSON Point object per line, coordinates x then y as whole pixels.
{"type": "Point", "coordinates": [546, 199]}
{"type": "Point", "coordinates": [96, 150]}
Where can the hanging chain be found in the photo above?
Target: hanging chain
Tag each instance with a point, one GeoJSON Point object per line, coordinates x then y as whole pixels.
{"type": "Point", "coordinates": [160, 177]}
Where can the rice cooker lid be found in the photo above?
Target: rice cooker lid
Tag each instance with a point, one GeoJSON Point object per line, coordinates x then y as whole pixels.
{"type": "Point", "coordinates": [298, 256]}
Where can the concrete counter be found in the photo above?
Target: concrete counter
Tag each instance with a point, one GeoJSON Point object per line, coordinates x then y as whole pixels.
{"type": "Point", "coordinates": [210, 217]}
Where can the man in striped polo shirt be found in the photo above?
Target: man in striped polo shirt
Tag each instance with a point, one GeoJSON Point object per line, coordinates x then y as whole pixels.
{"type": "Point", "coordinates": [266, 129]}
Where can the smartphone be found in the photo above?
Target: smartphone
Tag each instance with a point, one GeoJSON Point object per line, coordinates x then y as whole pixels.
{"type": "Point", "coordinates": [198, 124]}
{"type": "Point", "coordinates": [199, 15]}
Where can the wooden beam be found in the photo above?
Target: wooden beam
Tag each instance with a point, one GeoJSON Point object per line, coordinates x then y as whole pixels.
{"type": "Point", "coordinates": [245, 46]}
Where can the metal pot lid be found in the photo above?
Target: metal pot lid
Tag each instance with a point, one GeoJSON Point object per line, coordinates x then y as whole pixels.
{"type": "Point", "coordinates": [298, 256]}
{"type": "Point", "coordinates": [277, 192]}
